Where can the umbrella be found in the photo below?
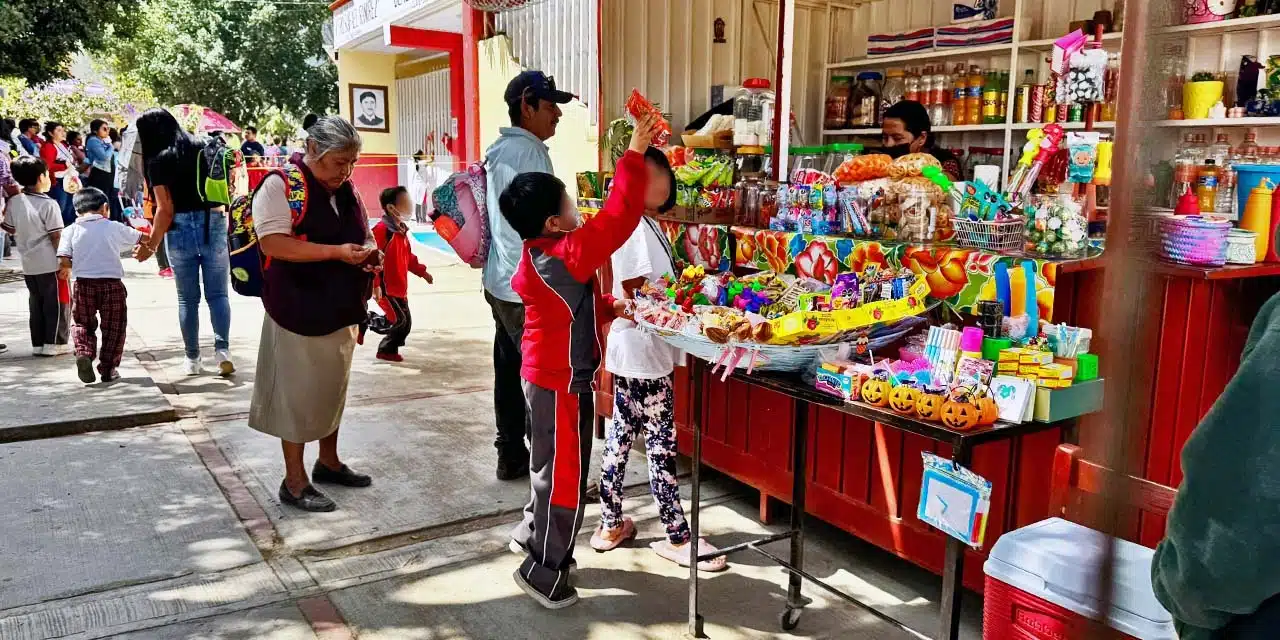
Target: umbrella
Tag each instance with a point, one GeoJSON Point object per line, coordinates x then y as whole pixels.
{"type": "Point", "coordinates": [206, 119]}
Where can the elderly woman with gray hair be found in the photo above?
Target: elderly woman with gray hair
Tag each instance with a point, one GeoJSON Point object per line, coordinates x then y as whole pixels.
{"type": "Point", "coordinates": [321, 256]}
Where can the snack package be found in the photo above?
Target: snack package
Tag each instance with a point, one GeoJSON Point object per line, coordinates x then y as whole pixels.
{"type": "Point", "coordinates": [639, 107]}
{"type": "Point", "coordinates": [912, 165]}
{"type": "Point", "coordinates": [859, 168]}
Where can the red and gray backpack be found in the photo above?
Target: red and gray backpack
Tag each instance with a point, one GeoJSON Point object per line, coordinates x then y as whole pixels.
{"type": "Point", "coordinates": [461, 215]}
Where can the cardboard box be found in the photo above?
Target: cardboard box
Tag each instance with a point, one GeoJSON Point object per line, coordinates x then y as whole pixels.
{"type": "Point", "coordinates": [1033, 356]}
{"type": "Point", "coordinates": [1079, 399]}
{"type": "Point", "coordinates": [1056, 371]}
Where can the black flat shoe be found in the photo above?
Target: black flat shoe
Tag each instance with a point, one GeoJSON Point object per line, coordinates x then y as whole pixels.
{"type": "Point", "coordinates": [344, 476]}
{"type": "Point", "coordinates": [111, 376]}
{"type": "Point", "coordinates": [310, 500]}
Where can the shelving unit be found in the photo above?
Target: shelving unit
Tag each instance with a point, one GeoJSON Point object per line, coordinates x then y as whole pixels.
{"type": "Point", "coordinates": [1218, 122]}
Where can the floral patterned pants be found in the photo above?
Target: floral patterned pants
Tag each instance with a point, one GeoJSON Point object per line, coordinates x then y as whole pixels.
{"type": "Point", "coordinates": [648, 407]}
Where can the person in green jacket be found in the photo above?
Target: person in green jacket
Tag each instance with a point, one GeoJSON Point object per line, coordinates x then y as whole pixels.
{"type": "Point", "coordinates": [1218, 569]}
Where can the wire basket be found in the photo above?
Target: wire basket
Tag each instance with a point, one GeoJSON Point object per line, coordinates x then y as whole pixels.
{"type": "Point", "coordinates": [498, 6]}
{"type": "Point", "coordinates": [1194, 240]}
{"type": "Point", "coordinates": [992, 235]}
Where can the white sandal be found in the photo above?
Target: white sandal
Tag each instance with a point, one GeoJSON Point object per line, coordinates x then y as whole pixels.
{"type": "Point", "coordinates": [602, 544]}
{"type": "Point", "coordinates": [680, 555]}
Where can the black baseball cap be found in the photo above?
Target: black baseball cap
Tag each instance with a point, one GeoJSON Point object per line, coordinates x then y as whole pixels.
{"type": "Point", "coordinates": [535, 83]}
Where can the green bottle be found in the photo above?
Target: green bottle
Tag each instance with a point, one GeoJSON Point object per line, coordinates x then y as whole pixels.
{"type": "Point", "coordinates": [1247, 9]}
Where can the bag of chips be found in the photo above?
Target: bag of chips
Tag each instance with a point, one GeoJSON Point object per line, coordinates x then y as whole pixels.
{"type": "Point", "coordinates": [638, 107]}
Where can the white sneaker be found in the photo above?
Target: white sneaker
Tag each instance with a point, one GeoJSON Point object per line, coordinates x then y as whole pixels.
{"type": "Point", "coordinates": [225, 366]}
{"type": "Point", "coordinates": [43, 351]}
{"type": "Point", "coordinates": [60, 349]}
{"type": "Point", "coordinates": [192, 367]}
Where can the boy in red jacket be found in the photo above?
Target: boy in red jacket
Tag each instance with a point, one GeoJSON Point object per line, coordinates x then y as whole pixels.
{"type": "Point", "coordinates": [564, 314]}
{"type": "Point", "coordinates": [392, 236]}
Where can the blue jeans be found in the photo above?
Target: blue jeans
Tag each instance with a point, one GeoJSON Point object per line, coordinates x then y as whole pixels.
{"type": "Point", "coordinates": [198, 257]}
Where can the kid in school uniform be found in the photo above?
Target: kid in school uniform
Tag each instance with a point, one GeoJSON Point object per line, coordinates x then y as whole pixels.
{"type": "Point", "coordinates": [392, 237]}
{"type": "Point", "coordinates": [644, 397]}
{"type": "Point", "coordinates": [90, 253]}
{"type": "Point", "coordinates": [564, 315]}
{"type": "Point", "coordinates": [35, 219]}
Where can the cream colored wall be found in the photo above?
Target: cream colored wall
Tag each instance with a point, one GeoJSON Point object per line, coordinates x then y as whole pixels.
{"type": "Point", "coordinates": [574, 147]}
{"type": "Point", "coordinates": [362, 67]}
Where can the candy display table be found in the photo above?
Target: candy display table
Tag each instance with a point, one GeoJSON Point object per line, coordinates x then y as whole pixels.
{"type": "Point", "coordinates": [805, 403]}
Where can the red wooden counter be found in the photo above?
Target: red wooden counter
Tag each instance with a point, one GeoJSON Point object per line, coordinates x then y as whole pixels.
{"type": "Point", "coordinates": [865, 478]}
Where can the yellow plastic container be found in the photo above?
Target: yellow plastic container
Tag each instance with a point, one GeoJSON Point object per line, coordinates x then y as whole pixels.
{"type": "Point", "coordinates": [1198, 97]}
{"type": "Point", "coordinates": [1257, 214]}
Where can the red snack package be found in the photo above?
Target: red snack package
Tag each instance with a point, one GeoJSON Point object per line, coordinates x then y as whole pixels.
{"type": "Point", "coordinates": [638, 107]}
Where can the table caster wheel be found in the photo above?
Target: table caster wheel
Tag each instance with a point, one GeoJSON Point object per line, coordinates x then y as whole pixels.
{"type": "Point", "coordinates": [790, 619]}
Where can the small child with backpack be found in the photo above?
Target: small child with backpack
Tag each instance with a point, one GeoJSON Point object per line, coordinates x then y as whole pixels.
{"type": "Point", "coordinates": [392, 237]}
{"type": "Point", "coordinates": [90, 253]}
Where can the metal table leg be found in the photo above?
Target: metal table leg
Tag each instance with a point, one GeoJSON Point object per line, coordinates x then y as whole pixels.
{"type": "Point", "coordinates": [697, 370]}
{"type": "Point", "coordinates": [953, 572]}
{"type": "Point", "coordinates": [799, 476]}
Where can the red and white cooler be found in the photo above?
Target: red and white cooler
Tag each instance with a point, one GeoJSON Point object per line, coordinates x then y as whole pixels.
{"type": "Point", "coordinates": [1041, 585]}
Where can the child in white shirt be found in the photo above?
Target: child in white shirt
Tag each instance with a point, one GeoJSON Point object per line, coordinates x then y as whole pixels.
{"type": "Point", "coordinates": [90, 253]}
{"type": "Point", "coordinates": [644, 396]}
{"type": "Point", "coordinates": [35, 219]}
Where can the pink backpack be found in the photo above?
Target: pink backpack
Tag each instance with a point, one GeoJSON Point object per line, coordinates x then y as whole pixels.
{"type": "Point", "coordinates": [461, 216]}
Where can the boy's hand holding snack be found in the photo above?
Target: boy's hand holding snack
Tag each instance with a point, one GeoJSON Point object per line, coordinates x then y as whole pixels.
{"type": "Point", "coordinates": [646, 129]}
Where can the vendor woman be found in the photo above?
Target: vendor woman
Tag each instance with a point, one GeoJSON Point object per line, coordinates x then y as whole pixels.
{"type": "Point", "coordinates": [906, 129]}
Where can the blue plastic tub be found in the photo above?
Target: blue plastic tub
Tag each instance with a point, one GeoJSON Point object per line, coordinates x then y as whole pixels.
{"type": "Point", "coordinates": [1249, 176]}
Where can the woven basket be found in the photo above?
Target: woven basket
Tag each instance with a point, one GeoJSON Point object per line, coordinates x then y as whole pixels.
{"type": "Point", "coordinates": [1194, 240]}
{"type": "Point", "coordinates": [992, 235]}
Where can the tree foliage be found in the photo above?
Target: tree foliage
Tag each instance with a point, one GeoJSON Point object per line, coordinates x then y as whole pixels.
{"type": "Point", "coordinates": [38, 37]}
{"type": "Point", "coordinates": [237, 58]}
{"type": "Point", "coordinates": [75, 102]}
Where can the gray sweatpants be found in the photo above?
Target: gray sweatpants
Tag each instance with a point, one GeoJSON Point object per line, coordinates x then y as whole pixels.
{"type": "Point", "coordinates": [560, 448]}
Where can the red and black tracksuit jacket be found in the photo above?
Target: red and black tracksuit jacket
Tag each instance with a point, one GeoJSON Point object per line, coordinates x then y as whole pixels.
{"type": "Point", "coordinates": [565, 311]}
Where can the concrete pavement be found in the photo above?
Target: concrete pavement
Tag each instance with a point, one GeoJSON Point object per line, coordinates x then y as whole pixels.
{"type": "Point", "coordinates": [173, 530]}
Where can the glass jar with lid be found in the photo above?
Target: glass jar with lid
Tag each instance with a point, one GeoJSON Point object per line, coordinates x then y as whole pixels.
{"type": "Point", "coordinates": [864, 101]}
{"type": "Point", "coordinates": [838, 102]}
{"type": "Point", "coordinates": [753, 113]}
{"type": "Point", "coordinates": [840, 152]}
{"type": "Point", "coordinates": [895, 89]}
{"type": "Point", "coordinates": [805, 161]}
{"type": "Point", "coordinates": [755, 195]}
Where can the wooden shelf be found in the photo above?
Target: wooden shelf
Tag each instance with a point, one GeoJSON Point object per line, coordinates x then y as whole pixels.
{"type": "Point", "coordinates": [1256, 23]}
{"type": "Point", "coordinates": [1216, 122]}
{"type": "Point", "coordinates": [930, 54]}
{"type": "Point", "coordinates": [1026, 126]}
{"type": "Point", "coordinates": [973, 128]}
{"type": "Point", "coordinates": [1108, 40]}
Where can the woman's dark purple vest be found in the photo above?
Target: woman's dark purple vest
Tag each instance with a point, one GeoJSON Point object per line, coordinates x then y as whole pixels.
{"type": "Point", "coordinates": [318, 298]}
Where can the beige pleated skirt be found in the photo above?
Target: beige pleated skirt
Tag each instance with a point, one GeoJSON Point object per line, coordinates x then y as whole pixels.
{"type": "Point", "coordinates": [300, 387]}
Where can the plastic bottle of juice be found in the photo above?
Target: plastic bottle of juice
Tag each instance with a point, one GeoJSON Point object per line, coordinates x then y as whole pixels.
{"type": "Point", "coordinates": [959, 93]}
{"type": "Point", "coordinates": [1004, 95]}
{"type": "Point", "coordinates": [913, 87]}
{"type": "Point", "coordinates": [1207, 186]}
{"type": "Point", "coordinates": [991, 98]}
{"type": "Point", "coordinates": [973, 99]}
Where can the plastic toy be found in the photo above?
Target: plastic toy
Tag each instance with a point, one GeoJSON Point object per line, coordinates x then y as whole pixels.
{"type": "Point", "coordinates": [903, 399]}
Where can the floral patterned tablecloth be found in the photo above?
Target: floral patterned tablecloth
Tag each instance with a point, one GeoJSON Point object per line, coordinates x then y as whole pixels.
{"type": "Point", "coordinates": [697, 244]}
{"type": "Point", "coordinates": [956, 275]}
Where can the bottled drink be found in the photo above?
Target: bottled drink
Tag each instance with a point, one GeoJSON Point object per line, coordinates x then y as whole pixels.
{"type": "Point", "coordinates": [941, 97]}
{"type": "Point", "coordinates": [1207, 186]}
{"type": "Point", "coordinates": [913, 88]}
{"type": "Point", "coordinates": [991, 98]}
{"type": "Point", "coordinates": [1111, 88]}
{"type": "Point", "coordinates": [894, 89]}
{"type": "Point", "coordinates": [1199, 148]}
{"type": "Point", "coordinates": [973, 101]}
{"type": "Point", "coordinates": [1248, 152]}
{"type": "Point", "coordinates": [1225, 203]}
{"type": "Point", "coordinates": [1004, 96]}
{"type": "Point", "coordinates": [959, 93]}
{"type": "Point", "coordinates": [1220, 150]}
{"type": "Point", "coordinates": [1185, 167]}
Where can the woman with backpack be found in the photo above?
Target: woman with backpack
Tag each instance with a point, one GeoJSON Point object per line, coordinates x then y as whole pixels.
{"type": "Point", "coordinates": [194, 232]}
{"type": "Point", "coordinates": [311, 225]}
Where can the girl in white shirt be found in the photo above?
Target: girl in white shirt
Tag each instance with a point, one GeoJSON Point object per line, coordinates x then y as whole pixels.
{"type": "Point", "coordinates": [642, 366]}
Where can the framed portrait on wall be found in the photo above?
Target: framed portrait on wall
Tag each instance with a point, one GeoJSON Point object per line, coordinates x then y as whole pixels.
{"type": "Point", "coordinates": [369, 108]}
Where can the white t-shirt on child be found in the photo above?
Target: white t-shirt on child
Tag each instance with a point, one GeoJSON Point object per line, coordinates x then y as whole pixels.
{"type": "Point", "coordinates": [94, 245]}
{"type": "Point", "coordinates": [631, 353]}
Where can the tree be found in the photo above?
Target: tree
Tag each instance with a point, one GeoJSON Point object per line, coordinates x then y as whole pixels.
{"type": "Point", "coordinates": [75, 102]}
{"type": "Point", "coordinates": [37, 37]}
{"type": "Point", "coordinates": [238, 58]}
